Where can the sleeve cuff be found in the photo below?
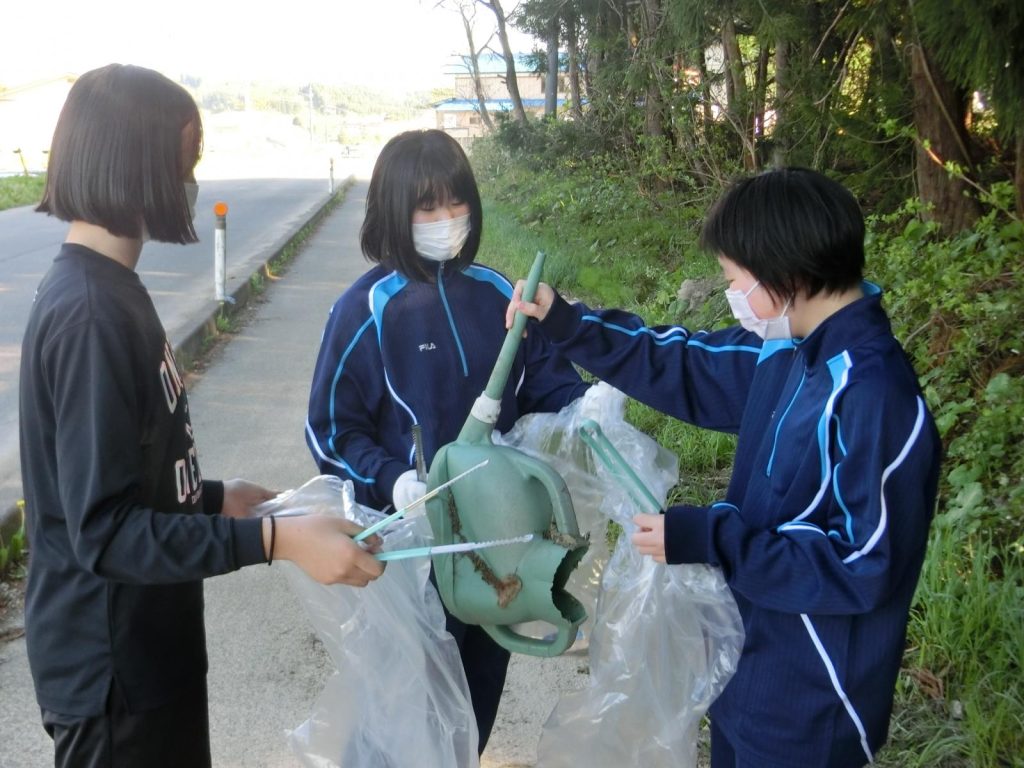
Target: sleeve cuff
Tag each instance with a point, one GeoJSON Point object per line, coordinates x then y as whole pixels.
{"type": "Point", "coordinates": [213, 497]}
{"type": "Point", "coordinates": [247, 535]}
{"type": "Point", "coordinates": [561, 321]}
{"type": "Point", "coordinates": [687, 538]}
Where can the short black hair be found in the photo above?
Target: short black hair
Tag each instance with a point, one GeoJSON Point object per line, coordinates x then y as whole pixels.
{"type": "Point", "coordinates": [120, 154]}
{"type": "Point", "coordinates": [415, 168]}
{"type": "Point", "coordinates": [793, 229]}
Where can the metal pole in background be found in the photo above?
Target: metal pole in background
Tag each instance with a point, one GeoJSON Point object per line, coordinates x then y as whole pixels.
{"type": "Point", "coordinates": [220, 248]}
{"type": "Point", "coordinates": [330, 187]}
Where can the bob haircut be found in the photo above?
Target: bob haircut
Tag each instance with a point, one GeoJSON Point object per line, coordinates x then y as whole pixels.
{"type": "Point", "coordinates": [793, 229]}
{"type": "Point", "coordinates": [417, 169]}
{"type": "Point", "coordinates": [121, 154]}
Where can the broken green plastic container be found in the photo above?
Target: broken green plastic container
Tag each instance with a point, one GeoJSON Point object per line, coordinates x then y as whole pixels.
{"type": "Point", "coordinates": [514, 494]}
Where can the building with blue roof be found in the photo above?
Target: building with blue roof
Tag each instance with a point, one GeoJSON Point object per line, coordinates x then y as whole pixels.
{"type": "Point", "coordinates": [460, 117]}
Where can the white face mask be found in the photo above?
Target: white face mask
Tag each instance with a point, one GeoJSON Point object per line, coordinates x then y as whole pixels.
{"type": "Point", "coordinates": [772, 328]}
{"type": "Point", "coordinates": [440, 240]}
{"type": "Point", "coordinates": [191, 195]}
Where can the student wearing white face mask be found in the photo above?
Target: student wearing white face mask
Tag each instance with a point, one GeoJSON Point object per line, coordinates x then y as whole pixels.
{"type": "Point", "coordinates": [413, 341]}
{"type": "Point", "coordinates": [823, 528]}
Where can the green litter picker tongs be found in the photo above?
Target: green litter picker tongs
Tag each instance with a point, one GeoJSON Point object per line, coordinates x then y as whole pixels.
{"type": "Point", "coordinates": [513, 495]}
{"type": "Point", "coordinates": [608, 454]}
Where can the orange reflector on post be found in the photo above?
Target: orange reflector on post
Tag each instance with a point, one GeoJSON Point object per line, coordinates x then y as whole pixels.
{"type": "Point", "coordinates": [220, 208]}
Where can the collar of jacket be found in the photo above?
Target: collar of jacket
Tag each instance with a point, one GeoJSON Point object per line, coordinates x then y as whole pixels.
{"type": "Point", "coordinates": [855, 323]}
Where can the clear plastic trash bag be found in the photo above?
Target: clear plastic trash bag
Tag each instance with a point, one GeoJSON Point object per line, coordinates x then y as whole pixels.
{"type": "Point", "coordinates": [664, 640]}
{"type": "Point", "coordinates": [398, 696]}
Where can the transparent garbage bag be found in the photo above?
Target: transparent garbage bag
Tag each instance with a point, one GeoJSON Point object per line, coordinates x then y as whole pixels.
{"type": "Point", "coordinates": [398, 696]}
{"type": "Point", "coordinates": [664, 640]}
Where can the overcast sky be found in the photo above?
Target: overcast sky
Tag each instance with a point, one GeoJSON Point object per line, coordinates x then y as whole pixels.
{"type": "Point", "coordinates": [400, 45]}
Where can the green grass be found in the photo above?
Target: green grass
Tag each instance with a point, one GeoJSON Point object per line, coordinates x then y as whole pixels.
{"type": "Point", "coordinates": [629, 271]}
{"type": "Point", "coordinates": [20, 190]}
{"type": "Point", "coordinates": [12, 551]}
{"type": "Point", "coordinates": [962, 680]}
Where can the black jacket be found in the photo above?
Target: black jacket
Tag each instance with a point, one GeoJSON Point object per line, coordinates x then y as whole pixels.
{"type": "Point", "coordinates": [121, 526]}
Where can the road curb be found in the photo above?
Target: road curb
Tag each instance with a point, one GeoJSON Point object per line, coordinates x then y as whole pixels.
{"type": "Point", "coordinates": [195, 343]}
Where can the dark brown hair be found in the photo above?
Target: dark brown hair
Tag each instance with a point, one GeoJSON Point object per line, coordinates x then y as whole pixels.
{"type": "Point", "coordinates": [417, 168]}
{"type": "Point", "coordinates": [793, 229]}
{"type": "Point", "coordinates": [120, 154]}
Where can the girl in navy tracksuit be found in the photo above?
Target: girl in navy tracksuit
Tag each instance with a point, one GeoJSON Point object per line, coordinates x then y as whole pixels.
{"type": "Point", "coordinates": [822, 531]}
{"type": "Point", "coordinates": [413, 341]}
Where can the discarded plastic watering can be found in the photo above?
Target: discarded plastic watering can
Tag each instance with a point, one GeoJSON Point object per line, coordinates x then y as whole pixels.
{"type": "Point", "coordinates": [514, 494]}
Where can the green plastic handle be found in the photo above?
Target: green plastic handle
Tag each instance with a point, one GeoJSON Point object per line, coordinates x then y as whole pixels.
{"type": "Point", "coordinates": [592, 434]}
{"type": "Point", "coordinates": [507, 355]}
{"type": "Point", "coordinates": [513, 641]}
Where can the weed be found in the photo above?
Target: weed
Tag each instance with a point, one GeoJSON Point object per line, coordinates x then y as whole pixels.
{"type": "Point", "coordinates": [13, 551]}
{"type": "Point", "coordinates": [225, 321]}
{"type": "Point", "coordinates": [257, 283]}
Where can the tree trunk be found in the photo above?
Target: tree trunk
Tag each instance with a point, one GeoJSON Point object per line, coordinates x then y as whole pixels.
{"type": "Point", "coordinates": [939, 107]}
{"type": "Point", "coordinates": [1018, 176]}
{"type": "Point", "coordinates": [760, 90]}
{"type": "Point", "coordinates": [573, 43]}
{"type": "Point", "coordinates": [594, 57]}
{"type": "Point", "coordinates": [653, 111]}
{"type": "Point", "coordinates": [780, 146]}
{"type": "Point", "coordinates": [736, 83]}
{"type": "Point", "coordinates": [518, 112]}
{"type": "Point", "coordinates": [738, 108]}
{"type": "Point", "coordinates": [551, 77]}
{"type": "Point", "coordinates": [474, 63]}
{"type": "Point", "coordinates": [705, 87]}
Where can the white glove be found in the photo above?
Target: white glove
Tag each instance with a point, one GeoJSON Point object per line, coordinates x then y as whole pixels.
{"type": "Point", "coordinates": [407, 489]}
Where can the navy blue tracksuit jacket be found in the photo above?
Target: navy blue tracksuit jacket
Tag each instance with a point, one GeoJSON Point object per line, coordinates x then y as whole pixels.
{"type": "Point", "coordinates": [823, 529]}
{"type": "Point", "coordinates": [397, 352]}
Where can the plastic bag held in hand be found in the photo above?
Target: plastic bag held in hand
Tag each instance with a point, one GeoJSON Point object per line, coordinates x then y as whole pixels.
{"type": "Point", "coordinates": [664, 640]}
{"type": "Point", "coordinates": [407, 489]}
{"type": "Point", "coordinates": [399, 695]}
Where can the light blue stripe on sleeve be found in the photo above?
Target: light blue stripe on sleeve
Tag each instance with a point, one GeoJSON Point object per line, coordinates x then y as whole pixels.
{"type": "Point", "coordinates": [487, 275]}
{"type": "Point", "coordinates": [334, 388]}
{"type": "Point", "coordinates": [674, 335]}
{"type": "Point", "coordinates": [380, 294]}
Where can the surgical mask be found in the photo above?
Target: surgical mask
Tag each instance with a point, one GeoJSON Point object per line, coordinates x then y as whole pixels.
{"type": "Point", "coordinates": [771, 328]}
{"type": "Point", "coordinates": [191, 195]}
{"type": "Point", "coordinates": [440, 240]}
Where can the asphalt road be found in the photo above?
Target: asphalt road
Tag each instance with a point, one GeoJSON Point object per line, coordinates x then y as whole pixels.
{"type": "Point", "coordinates": [263, 214]}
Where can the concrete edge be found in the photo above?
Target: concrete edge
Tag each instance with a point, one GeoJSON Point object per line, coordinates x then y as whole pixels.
{"type": "Point", "coordinates": [193, 345]}
{"type": "Point", "coordinates": [195, 342]}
